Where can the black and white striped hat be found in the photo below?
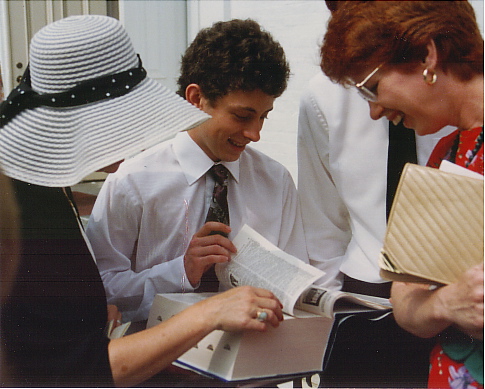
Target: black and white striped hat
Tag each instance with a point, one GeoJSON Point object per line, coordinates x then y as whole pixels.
{"type": "Point", "coordinates": [84, 103]}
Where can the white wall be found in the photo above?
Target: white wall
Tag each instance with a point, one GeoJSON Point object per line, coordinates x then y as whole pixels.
{"type": "Point", "coordinates": [299, 27]}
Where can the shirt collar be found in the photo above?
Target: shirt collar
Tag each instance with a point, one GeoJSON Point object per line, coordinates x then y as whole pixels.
{"type": "Point", "coordinates": [194, 162]}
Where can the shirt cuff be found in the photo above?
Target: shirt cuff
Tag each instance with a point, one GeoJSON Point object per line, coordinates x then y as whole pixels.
{"type": "Point", "coordinates": [185, 285]}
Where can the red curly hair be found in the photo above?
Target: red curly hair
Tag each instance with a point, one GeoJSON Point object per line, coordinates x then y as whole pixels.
{"type": "Point", "coordinates": [361, 36]}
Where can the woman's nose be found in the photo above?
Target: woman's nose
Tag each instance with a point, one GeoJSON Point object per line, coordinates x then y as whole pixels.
{"type": "Point", "coordinates": [376, 111]}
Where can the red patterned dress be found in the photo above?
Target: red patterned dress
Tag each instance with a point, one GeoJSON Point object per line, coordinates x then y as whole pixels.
{"type": "Point", "coordinates": [457, 360]}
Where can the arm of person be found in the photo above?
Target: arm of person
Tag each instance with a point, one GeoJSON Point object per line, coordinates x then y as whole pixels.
{"type": "Point", "coordinates": [325, 216]}
{"type": "Point", "coordinates": [426, 312]}
{"type": "Point", "coordinates": [113, 232]}
{"type": "Point", "coordinates": [137, 357]}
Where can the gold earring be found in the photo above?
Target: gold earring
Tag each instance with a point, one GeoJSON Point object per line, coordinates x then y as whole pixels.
{"type": "Point", "coordinates": [429, 76]}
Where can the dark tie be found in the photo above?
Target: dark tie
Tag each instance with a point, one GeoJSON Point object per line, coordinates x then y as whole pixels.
{"type": "Point", "coordinates": [218, 212]}
{"type": "Point", "coordinates": [402, 149]}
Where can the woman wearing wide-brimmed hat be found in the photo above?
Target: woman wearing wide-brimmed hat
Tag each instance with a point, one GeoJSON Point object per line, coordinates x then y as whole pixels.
{"type": "Point", "coordinates": [85, 103]}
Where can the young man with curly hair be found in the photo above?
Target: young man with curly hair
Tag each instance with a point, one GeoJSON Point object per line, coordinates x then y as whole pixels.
{"type": "Point", "coordinates": [148, 227]}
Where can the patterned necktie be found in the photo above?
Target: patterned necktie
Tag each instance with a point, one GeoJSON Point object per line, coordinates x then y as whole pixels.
{"type": "Point", "coordinates": [218, 212]}
{"type": "Point", "coordinates": [402, 149]}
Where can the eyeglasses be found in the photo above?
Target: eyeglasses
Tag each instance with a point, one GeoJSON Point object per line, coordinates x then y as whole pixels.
{"type": "Point", "coordinates": [365, 92]}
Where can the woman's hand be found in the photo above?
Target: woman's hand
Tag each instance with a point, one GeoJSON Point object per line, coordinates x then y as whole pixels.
{"type": "Point", "coordinates": [426, 312]}
{"type": "Point", "coordinates": [461, 303]}
{"type": "Point", "coordinates": [237, 309]}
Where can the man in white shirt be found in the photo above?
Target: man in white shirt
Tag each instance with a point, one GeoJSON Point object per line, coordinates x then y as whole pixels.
{"type": "Point", "coordinates": [148, 228]}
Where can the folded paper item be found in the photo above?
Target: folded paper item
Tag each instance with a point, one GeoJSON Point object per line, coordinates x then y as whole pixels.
{"type": "Point", "coordinates": [435, 228]}
{"type": "Point", "coordinates": [117, 332]}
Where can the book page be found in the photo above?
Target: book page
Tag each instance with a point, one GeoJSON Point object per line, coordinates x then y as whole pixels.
{"type": "Point", "coordinates": [326, 302]}
{"type": "Point", "coordinates": [450, 167]}
{"type": "Point", "coordinates": [261, 264]}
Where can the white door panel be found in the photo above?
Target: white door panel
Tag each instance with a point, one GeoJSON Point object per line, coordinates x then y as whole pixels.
{"type": "Point", "coordinates": [158, 30]}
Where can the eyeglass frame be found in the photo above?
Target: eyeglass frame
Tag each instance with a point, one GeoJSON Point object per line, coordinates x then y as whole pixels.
{"type": "Point", "coordinates": [363, 91]}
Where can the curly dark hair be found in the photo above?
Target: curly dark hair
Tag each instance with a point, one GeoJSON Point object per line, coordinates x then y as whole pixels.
{"type": "Point", "coordinates": [234, 55]}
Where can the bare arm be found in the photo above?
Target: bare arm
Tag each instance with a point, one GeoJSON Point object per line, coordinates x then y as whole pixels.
{"type": "Point", "coordinates": [426, 313]}
{"type": "Point", "coordinates": [137, 357]}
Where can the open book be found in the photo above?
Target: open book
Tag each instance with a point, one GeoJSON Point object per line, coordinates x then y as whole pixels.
{"type": "Point", "coordinates": [261, 264]}
{"type": "Point", "coordinates": [301, 342]}
{"type": "Point", "coordinates": [435, 229]}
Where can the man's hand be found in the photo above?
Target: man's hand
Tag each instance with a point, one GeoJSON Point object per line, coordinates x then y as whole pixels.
{"type": "Point", "coordinates": [206, 248]}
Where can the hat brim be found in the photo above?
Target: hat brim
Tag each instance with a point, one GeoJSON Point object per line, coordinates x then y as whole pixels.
{"type": "Point", "coordinates": [58, 147]}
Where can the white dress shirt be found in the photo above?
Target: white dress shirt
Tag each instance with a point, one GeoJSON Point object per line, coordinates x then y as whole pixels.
{"type": "Point", "coordinates": [342, 179]}
{"type": "Point", "coordinates": [147, 212]}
